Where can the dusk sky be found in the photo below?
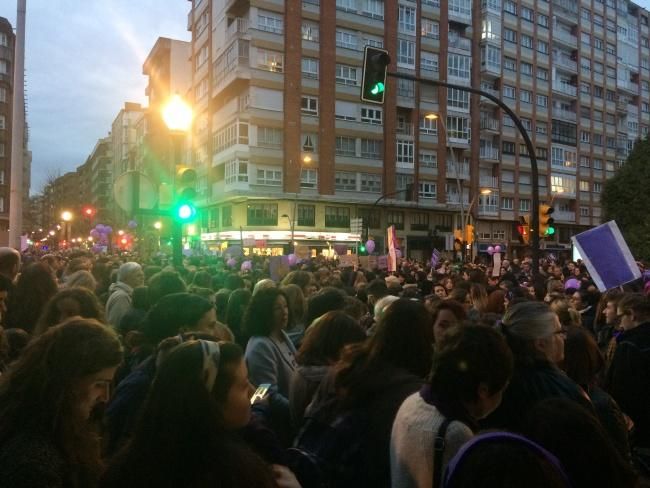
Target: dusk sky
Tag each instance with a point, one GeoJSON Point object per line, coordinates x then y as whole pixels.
{"type": "Point", "coordinates": [84, 60]}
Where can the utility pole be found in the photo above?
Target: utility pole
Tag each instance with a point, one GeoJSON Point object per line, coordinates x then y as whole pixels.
{"type": "Point", "coordinates": [18, 132]}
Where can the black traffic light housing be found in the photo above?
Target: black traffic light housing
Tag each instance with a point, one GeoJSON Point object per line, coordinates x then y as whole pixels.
{"type": "Point", "coordinates": [373, 84]}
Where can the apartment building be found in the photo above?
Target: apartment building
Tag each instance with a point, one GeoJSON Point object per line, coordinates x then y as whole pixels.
{"type": "Point", "coordinates": [289, 150]}
{"type": "Point", "coordinates": [6, 106]}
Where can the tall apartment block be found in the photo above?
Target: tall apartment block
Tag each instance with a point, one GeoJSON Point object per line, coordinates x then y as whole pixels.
{"type": "Point", "coordinates": [287, 149]}
{"type": "Point", "coordinates": [6, 106]}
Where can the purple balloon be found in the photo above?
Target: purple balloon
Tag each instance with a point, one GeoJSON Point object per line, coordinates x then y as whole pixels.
{"type": "Point", "coordinates": [99, 228]}
{"type": "Point", "coordinates": [370, 246]}
{"type": "Point", "coordinates": [94, 234]}
{"type": "Point", "coordinates": [246, 266]}
{"type": "Point", "coordinates": [231, 262]}
{"type": "Point", "coordinates": [490, 250]}
{"type": "Point", "coordinates": [108, 229]}
{"type": "Point", "coordinates": [497, 248]}
{"type": "Point", "coordinates": [292, 259]}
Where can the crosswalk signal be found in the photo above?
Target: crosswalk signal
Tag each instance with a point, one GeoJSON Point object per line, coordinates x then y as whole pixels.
{"type": "Point", "coordinates": [546, 221]}
{"type": "Point", "coordinates": [373, 84]}
{"type": "Point", "coordinates": [524, 229]}
{"type": "Point", "coordinates": [185, 193]}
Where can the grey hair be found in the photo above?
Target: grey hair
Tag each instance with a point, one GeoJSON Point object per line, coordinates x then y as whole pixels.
{"type": "Point", "coordinates": [126, 269]}
{"type": "Point", "coordinates": [528, 321]}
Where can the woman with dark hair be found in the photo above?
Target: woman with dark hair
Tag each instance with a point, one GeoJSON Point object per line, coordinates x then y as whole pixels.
{"type": "Point", "coordinates": [68, 303]}
{"type": "Point", "coordinates": [471, 369]}
{"type": "Point", "coordinates": [237, 303]}
{"type": "Point", "coordinates": [186, 434]}
{"type": "Point", "coordinates": [319, 351]}
{"type": "Point", "coordinates": [446, 314]}
{"type": "Point", "coordinates": [536, 338]}
{"type": "Point", "coordinates": [583, 363]}
{"type": "Point", "coordinates": [270, 354]}
{"type": "Point", "coordinates": [28, 299]}
{"type": "Point", "coordinates": [304, 279]}
{"type": "Point", "coordinates": [371, 381]}
{"type": "Point", "coordinates": [495, 302]}
{"type": "Point", "coordinates": [577, 438]}
{"type": "Point", "coordinates": [46, 400]}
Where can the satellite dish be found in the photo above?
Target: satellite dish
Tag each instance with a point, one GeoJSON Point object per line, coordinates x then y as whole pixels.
{"type": "Point", "coordinates": [124, 189]}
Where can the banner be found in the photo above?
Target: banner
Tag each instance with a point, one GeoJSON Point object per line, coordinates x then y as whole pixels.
{"type": "Point", "coordinates": [382, 262]}
{"type": "Point", "coordinates": [302, 252]}
{"type": "Point", "coordinates": [348, 261]}
{"type": "Point", "coordinates": [607, 256]}
{"type": "Point", "coordinates": [392, 248]}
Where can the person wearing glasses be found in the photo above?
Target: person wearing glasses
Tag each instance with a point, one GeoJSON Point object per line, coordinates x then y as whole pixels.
{"type": "Point", "coordinates": [536, 338]}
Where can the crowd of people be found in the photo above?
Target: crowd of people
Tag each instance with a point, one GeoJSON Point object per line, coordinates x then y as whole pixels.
{"type": "Point", "coordinates": [117, 372]}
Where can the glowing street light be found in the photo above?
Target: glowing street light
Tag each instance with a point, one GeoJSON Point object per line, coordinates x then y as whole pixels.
{"type": "Point", "coordinates": [66, 215]}
{"type": "Point", "coordinates": [157, 225]}
{"type": "Point", "coordinates": [177, 114]}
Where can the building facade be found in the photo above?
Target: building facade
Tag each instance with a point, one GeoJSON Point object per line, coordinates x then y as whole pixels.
{"type": "Point", "coordinates": [7, 39]}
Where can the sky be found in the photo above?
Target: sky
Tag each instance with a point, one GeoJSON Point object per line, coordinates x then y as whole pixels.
{"type": "Point", "coordinates": [83, 60]}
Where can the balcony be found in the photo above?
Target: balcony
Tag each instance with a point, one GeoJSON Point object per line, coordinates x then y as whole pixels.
{"type": "Point", "coordinates": [493, 69]}
{"type": "Point", "coordinates": [628, 86]}
{"type": "Point", "coordinates": [488, 210]}
{"type": "Point", "coordinates": [459, 13]}
{"type": "Point", "coordinates": [564, 216]}
{"type": "Point", "coordinates": [237, 27]}
{"type": "Point", "coordinates": [565, 37]}
{"type": "Point", "coordinates": [565, 115]}
{"type": "Point", "coordinates": [405, 129]}
{"type": "Point", "coordinates": [621, 106]}
{"type": "Point", "coordinates": [237, 7]}
{"type": "Point", "coordinates": [564, 88]}
{"type": "Point", "coordinates": [567, 9]}
{"type": "Point", "coordinates": [489, 89]}
{"type": "Point", "coordinates": [454, 199]}
{"type": "Point", "coordinates": [489, 182]}
{"type": "Point", "coordinates": [490, 124]}
{"type": "Point", "coordinates": [489, 153]}
{"type": "Point", "coordinates": [234, 57]}
{"type": "Point", "coordinates": [461, 43]}
{"type": "Point", "coordinates": [568, 63]}
{"type": "Point", "coordinates": [458, 170]}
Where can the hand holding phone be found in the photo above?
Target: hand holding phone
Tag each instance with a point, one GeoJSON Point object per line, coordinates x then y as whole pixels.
{"type": "Point", "coordinates": [261, 393]}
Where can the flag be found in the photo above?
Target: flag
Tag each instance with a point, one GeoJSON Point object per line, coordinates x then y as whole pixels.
{"type": "Point", "coordinates": [607, 256]}
{"type": "Point", "coordinates": [435, 258]}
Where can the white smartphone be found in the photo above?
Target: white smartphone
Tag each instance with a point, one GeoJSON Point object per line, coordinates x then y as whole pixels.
{"type": "Point", "coordinates": [261, 392]}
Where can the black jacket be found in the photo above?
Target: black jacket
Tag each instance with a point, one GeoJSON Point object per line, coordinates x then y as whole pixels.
{"type": "Point", "coordinates": [628, 379]}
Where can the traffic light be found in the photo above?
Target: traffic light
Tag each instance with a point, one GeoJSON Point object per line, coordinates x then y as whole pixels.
{"type": "Point", "coordinates": [373, 84]}
{"type": "Point", "coordinates": [524, 229]}
{"type": "Point", "coordinates": [469, 234]}
{"type": "Point", "coordinates": [362, 250]}
{"type": "Point", "coordinates": [185, 193]}
{"type": "Point", "coordinates": [458, 235]}
{"type": "Point", "coordinates": [89, 212]}
{"type": "Point", "coordinates": [546, 221]}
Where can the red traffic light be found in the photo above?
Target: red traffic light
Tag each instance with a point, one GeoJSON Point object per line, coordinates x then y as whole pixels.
{"type": "Point", "coordinates": [89, 211]}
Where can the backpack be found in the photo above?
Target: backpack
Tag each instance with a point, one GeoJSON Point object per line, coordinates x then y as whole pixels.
{"type": "Point", "coordinates": [329, 451]}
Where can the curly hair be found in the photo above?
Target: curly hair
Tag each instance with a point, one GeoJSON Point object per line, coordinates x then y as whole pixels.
{"type": "Point", "coordinates": [68, 303]}
{"type": "Point", "coordinates": [41, 391]}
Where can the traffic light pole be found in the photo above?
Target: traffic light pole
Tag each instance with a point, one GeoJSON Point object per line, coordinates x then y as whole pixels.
{"type": "Point", "coordinates": [524, 135]}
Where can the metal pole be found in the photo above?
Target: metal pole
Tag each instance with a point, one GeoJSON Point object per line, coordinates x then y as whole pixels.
{"type": "Point", "coordinates": [529, 145]}
{"type": "Point", "coordinates": [18, 131]}
{"type": "Point", "coordinates": [177, 225]}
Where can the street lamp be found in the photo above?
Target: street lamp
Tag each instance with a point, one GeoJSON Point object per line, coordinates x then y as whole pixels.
{"type": "Point", "coordinates": [157, 225]}
{"type": "Point", "coordinates": [306, 159]}
{"type": "Point", "coordinates": [66, 216]}
{"type": "Point", "coordinates": [292, 225]}
{"type": "Point", "coordinates": [178, 118]}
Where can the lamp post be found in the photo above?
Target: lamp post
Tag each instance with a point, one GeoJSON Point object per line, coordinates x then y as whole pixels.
{"type": "Point", "coordinates": [306, 159]}
{"type": "Point", "coordinates": [66, 216]}
{"type": "Point", "coordinates": [177, 116]}
{"type": "Point", "coordinates": [292, 222]}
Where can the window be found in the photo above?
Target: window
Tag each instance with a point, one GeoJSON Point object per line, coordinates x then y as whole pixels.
{"type": "Point", "coordinates": [585, 161]}
{"type": "Point", "coordinates": [598, 20]}
{"type": "Point", "coordinates": [542, 47]}
{"type": "Point", "coordinates": [346, 5]}
{"type": "Point", "coordinates": [310, 32]}
{"type": "Point", "coordinates": [598, 187]}
{"type": "Point", "coordinates": [346, 75]}
{"type": "Point", "coordinates": [345, 110]}
{"type": "Point", "coordinates": [584, 211]}
{"type": "Point", "coordinates": [563, 158]}
{"type": "Point", "coordinates": [507, 121]}
{"type": "Point", "coordinates": [542, 101]}
{"type": "Point", "coordinates": [405, 152]}
{"type": "Point", "coordinates": [611, 49]}
{"type": "Point", "coordinates": [428, 126]}
{"type": "Point", "coordinates": [585, 136]}
{"type": "Point", "coordinates": [598, 91]}
{"type": "Point", "coordinates": [459, 66]}
{"type": "Point", "coordinates": [306, 215]}
{"type": "Point", "coordinates": [564, 132]}
{"type": "Point", "coordinates": [226, 216]}
{"type": "Point", "coordinates": [270, 60]}
{"type": "Point", "coordinates": [430, 28]}
{"type": "Point", "coordinates": [598, 44]}
{"type": "Point", "coordinates": [395, 218]}
{"type": "Point", "coordinates": [269, 22]}
{"type": "Point", "coordinates": [405, 88]}
{"type": "Point", "coordinates": [585, 88]}
{"type": "Point", "coordinates": [345, 181]}
{"type": "Point", "coordinates": [427, 190]}
{"type": "Point", "coordinates": [429, 62]}
{"type": "Point", "coordinates": [524, 205]}
{"type": "Point", "coordinates": [457, 99]}
{"type": "Point", "coordinates": [309, 105]}
{"type": "Point", "coordinates": [337, 217]}
{"type": "Point", "coordinates": [507, 203]}
{"type": "Point", "coordinates": [508, 176]}
{"type": "Point", "coordinates": [370, 182]}
{"type": "Point", "coordinates": [598, 163]}
{"type": "Point", "coordinates": [428, 159]}
{"type": "Point", "coordinates": [585, 39]}
{"type": "Point", "coordinates": [371, 148]}
{"type": "Point", "coordinates": [406, 19]}
{"type": "Point", "coordinates": [508, 147]}
{"type": "Point", "coordinates": [371, 115]}
{"type": "Point", "coordinates": [509, 92]}
{"type": "Point", "coordinates": [542, 20]}
{"type": "Point", "coordinates": [310, 68]}
{"type": "Point", "coordinates": [585, 13]}
{"type": "Point", "coordinates": [527, 14]}
{"type": "Point", "coordinates": [541, 153]}
{"type": "Point", "coordinates": [373, 8]}
{"type": "Point", "coordinates": [509, 64]}
{"type": "Point", "coordinates": [598, 139]}
{"type": "Point", "coordinates": [406, 53]}
{"type": "Point", "coordinates": [457, 127]}
{"type": "Point", "coordinates": [420, 220]}
{"type": "Point", "coordinates": [269, 137]}
{"type": "Point", "coordinates": [262, 214]}
{"type": "Point", "coordinates": [269, 177]}
{"type": "Point", "coordinates": [345, 146]}
{"type": "Point", "coordinates": [526, 96]}
{"type": "Point", "coordinates": [4, 67]}
{"type": "Point", "coordinates": [526, 69]}
{"type": "Point", "coordinates": [509, 35]}
{"type": "Point", "coordinates": [510, 7]}
{"type": "Point", "coordinates": [3, 94]}
{"type": "Point", "coordinates": [527, 41]}
{"type": "Point", "coordinates": [202, 56]}
{"type": "Point", "coordinates": [4, 39]}
{"type": "Point", "coordinates": [236, 171]}
{"type": "Point", "coordinates": [3, 122]}
{"type": "Point", "coordinates": [542, 74]}
{"type": "Point", "coordinates": [611, 142]}
{"type": "Point", "coordinates": [308, 178]}
{"type": "Point", "coordinates": [348, 40]}
{"type": "Point", "coordinates": [371, 218]}
{"type": "Point", "coordinates": [584, 185]}
{"type": "Point", "coordinates": [541, 128]}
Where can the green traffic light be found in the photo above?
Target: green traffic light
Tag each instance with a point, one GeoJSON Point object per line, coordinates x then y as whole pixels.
{"type": "Point", "coordinates": [362, 249]}
{"type": "Point", "coordinates": [186, 211]}
{"type": "Point", "coordinates": [378, 88]}
{"type": "Point", "coordinates": [550, 231]}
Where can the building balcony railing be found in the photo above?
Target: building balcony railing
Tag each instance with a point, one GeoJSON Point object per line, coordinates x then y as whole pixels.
{"type": "Point", "coordinates": [405, 129]}
{"type": "Point", "coordinates": [621, 106]}
{"type": "Point", "coordinates": [237, 27]}
{"type": "Point", "coordinates": [491, 91]}
{"type": "Point", "coordinates": [491, 69]}
{"type": "Point", "coordinates": [454, 199]}
{"type": "Point", "coordinates": [491, 153]}
{"type": "Point", "coordinates": [488, 210]}
{"type": "Point", "coordinates": [461, 43]}
{"type": "Point", "coordinates": [568, 63]}
{"type": "Point", "coordinates": [566, 37]}
{"type": "Point", "coordinates": [489, 182]}
{"type": "Point", "coordinates": [564, 114]}
{"type": "Point", "coordinates": [488, 123]}
{"type": "Point", "coordinates": [564, 216]}
{"type": "Point", "coordinates": [566, 88]}
{"type": "Point", "coordinates": [457, 170]}
{"type": "Point", "coordinates": [460, 14]}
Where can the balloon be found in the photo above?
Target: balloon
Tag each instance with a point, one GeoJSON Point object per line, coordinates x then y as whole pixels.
{"type": "Point", "coordinates": [370, 246]}
{"type": "Point", "coordinates": [292, 259]}
{"type": "Point", "coordinates": [94, 234]}
{"type": "Point", "coordinates": [490, 250]}
{"type": "Point", "coordinates": [108, 229]}
{"type": "Point", "coordinates": [398, 253]}
{"type": "Point", "coordinates": [99, 228]}
{"type": "Point", "coordinates": [231, 262]}
{"type": "Point", "coordinates": [497, 248]}
{"type": "Point", "coordinates": [572, 283]}
{"type": "Point", "coordinates": [132, 224]}
{"type": "Point", "coordinates": [246, 266]}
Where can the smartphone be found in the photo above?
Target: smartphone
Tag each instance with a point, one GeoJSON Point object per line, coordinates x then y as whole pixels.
{"type": "Point", "coordinates": [261, 393]}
